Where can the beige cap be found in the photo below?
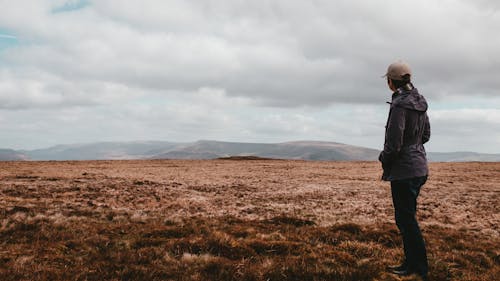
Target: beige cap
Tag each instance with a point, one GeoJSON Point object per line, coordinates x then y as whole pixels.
{"type": "Point", "coordinates": [397, 70]}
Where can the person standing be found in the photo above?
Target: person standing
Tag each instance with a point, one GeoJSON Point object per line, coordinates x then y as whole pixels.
{"type": "Point", "coordinates": [404, 164]}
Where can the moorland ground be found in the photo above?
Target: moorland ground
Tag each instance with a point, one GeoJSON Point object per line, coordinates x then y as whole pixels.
{"type": "Point", "coordinates": [237, 220]}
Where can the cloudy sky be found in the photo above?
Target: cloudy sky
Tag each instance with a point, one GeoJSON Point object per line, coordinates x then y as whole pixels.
{"type": "Point", "coordinates": [252, 71]}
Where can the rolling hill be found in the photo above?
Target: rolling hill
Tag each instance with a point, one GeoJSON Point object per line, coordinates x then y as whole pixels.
{"type": "Point", "coordinates": [305, 150]}
{"type": "Point", "coordinates": [209, 149]}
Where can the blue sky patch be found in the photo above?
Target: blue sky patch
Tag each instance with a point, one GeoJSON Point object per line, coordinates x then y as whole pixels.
{"type": "Point", "coordinates": [7, 39]}
{"type": "Point", "coordinates": [71, 5]}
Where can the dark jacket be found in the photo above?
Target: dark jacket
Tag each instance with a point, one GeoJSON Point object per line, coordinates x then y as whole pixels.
{"type": "Point", "coordinates": [406, 131]}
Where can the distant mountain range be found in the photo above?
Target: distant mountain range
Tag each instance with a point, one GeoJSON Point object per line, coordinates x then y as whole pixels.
{"type": "Point", "coordinates": [102, 151]}
{"type": "Point", "coordinates": [206, 149]}
{"type": "Point", "coordinates": [12, 155]}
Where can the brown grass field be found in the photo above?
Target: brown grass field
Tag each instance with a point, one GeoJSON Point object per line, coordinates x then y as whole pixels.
{"type": "Point", "coordinates": [238, 220]}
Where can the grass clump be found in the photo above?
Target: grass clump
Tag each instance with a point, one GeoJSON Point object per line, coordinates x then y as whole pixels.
{"type": "Point", "coordinates": [227, 249]}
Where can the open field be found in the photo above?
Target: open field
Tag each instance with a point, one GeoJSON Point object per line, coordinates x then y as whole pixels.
{"type": "Point", "coordinates": [237, 220]}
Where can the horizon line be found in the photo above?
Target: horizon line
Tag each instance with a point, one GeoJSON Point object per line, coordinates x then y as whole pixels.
{"type": "Point", "coordinates": [215, 140]}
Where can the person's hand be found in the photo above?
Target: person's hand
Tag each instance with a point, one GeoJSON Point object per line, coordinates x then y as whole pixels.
{"type": "Point", "coordinates": [385, 166]}
{"type": "Point", "coordinates": [385, 173]}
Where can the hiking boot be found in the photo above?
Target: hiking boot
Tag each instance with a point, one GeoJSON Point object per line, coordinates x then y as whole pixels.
{"type": "Point", "coordinates": [407, 272]}
{"type": "Point", "coordinates": [400, 267]}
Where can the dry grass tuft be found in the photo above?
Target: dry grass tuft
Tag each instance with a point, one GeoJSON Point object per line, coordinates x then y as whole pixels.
{"type": "Point", "coordinates": [209, 249]}
{"type": "Point", "coordinates": [237, 220]}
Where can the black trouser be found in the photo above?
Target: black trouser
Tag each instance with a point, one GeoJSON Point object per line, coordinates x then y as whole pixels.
{"type": "Point", "coordinates": [404, 198]}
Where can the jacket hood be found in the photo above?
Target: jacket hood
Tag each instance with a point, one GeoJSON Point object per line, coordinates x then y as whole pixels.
{"type": "Point", "coordinates": [409, 99]}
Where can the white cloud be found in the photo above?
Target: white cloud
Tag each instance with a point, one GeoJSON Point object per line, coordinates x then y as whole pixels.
{"type": "Point", "coordinates": [489, 117]}
{"type": "Point", "coordinates": [465, 130]}
{"type": "Point", "coordinates": [264, 51]}
{"type": "Point", "coordinates": [260, 70]}
{"type": "Point", "coordinates": [34, 89]}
